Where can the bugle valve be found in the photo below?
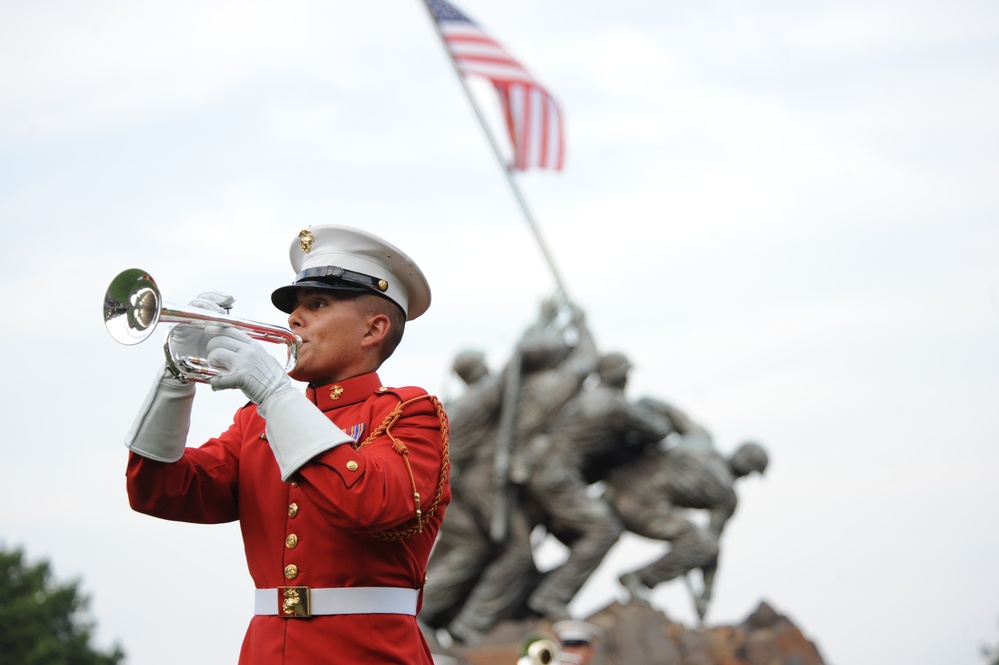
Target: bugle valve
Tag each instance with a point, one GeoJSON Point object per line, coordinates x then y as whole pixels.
{"type": "Point", "coordinates": [133, 307]}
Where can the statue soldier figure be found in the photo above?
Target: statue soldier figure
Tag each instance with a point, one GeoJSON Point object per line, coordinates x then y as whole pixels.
{"type": "Point", "coordinates": [463, 549]}
{"type": "Point", "coordinates": [554, 462]}
{"type": "Point", "coordinates": [489, 424]}
{"type": "Point", "coordinates": [594, 423]}
{"type": "Point", "coordinates": [651, 493]}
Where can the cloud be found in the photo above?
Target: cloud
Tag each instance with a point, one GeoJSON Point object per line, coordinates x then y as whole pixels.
{"type": "Point", "coordinates": [74, 67]}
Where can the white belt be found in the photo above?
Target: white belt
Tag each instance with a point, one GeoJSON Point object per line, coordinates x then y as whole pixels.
{"type": "Point", "coordinates": [302, 601]}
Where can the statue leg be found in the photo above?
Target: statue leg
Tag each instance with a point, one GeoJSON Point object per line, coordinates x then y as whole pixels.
{"type": "Point", "coordinates": [462, 553]}
{"type": "Point", "coordinates": [501, 586]}
{"type": "Point", "coordinates": [691, 548]}
{"type": "Point", "coordinates": [568, 508]}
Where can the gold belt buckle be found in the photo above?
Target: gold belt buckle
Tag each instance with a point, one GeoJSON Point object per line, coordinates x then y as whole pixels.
{"type": "Point", "coordinates": [293, 602]}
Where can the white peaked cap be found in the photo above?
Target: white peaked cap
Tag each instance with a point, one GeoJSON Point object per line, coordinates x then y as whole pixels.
{"type": "Point", "coordinates": [343, 258]}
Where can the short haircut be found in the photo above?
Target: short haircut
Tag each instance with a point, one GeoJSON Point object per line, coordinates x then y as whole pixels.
{"type": "Point", "coordinates": [371, 304]}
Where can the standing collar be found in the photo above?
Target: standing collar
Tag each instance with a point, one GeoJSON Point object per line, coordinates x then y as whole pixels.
{"type": "Point", "coordinates": [341, 393]}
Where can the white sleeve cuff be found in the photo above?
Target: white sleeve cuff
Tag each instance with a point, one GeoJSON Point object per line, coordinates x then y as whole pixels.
{"type": "Point", "coordinates": [297, 431]}
{"type": "Point", "coordinates": [160, 429]}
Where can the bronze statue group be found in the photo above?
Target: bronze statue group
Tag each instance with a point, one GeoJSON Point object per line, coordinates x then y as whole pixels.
{"type": "Point", "coordinates": [551, 443]}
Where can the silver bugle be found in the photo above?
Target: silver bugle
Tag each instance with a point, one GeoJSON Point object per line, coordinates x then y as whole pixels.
{"type": "Point", "coordinates": [133, 307]}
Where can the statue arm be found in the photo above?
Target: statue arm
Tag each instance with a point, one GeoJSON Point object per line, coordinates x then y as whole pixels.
{"type": "Point", "coordinates": [719, 518]}
{"type": "Point", "coordinates": [721, 514]}
{"type": "Point", "coordinates": [684, 425]}
{"type": "Point", "coordinates": [708, 573]}
{"type": "Point", "coordinates": [583, 360]}
{"type": "Point", "coordinates": [643, 425]}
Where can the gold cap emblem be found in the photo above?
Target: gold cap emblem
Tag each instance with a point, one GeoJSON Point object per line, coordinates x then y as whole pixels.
{"type": "Point", "coordinates": [382, 285]}
{"type": "Point", "coordinates": [305, 238]}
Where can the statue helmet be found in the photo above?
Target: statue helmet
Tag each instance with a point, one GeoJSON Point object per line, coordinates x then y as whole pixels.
{"type": "Point", "coordinates": [749, 457]}
{"type": "Point", "coordinates": [470, 365]}
{"type": "Point", "coordinates": [613, 368]}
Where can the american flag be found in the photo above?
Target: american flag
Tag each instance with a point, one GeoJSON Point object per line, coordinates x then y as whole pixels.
{"type": "Point", "coordinates": [533, 118]}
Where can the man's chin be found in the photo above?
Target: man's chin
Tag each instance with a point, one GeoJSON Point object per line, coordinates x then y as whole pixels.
{"type": "Point", "coordinates": [310, 378]}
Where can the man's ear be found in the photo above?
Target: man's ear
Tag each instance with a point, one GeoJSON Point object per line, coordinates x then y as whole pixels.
{"type": "Point", "coordinates": [378, 329]}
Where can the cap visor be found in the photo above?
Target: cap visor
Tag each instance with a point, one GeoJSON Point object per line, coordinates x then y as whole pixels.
{"type": "Point", "coordinates": [285, 298]}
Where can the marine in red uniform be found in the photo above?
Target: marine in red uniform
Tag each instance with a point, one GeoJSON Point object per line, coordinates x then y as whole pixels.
{"type": "Point", "coordinates": [339, 492]}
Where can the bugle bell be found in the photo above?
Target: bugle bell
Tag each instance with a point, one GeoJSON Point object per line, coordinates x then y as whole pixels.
{"type": "Point", "coordinates": [539, 649]}
{"type": "Point", "coordinates": [133, 307]}
{"type": "Point", "coordinates": [543, 652]}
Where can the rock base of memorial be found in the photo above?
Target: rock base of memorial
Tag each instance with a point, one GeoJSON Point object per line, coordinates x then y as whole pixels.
{"type": "Point", "coordinates": [639, 635]}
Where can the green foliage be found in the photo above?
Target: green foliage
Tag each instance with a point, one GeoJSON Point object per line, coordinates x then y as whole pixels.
{"type": "Point", "coordinates": [43, 622]}
{"type": "Point", "coordinates": [991, 654]}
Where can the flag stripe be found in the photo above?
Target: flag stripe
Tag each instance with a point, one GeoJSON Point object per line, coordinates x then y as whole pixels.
{"type": "Point", "coordinates": [532, 116]}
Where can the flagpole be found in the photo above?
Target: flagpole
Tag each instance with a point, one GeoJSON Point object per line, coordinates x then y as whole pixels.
{"type": "Point", "coordinates": [521, 201]}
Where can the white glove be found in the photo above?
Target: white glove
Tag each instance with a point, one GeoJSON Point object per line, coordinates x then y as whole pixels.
{"type": "Point", "coordinates": [247, 365]}
{"type": "Point", "coordinates": [296, 430]}
{"type": "Point", "coordinates": [190, 340]}
{"type": "Point", "coordinates": [160, 429]}
{"type": "Point", "coordinates": [220, 303]}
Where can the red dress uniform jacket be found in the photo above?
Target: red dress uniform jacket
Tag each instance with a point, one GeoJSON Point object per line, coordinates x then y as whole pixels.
{"type": "Point", "coordinates": [325, 528]}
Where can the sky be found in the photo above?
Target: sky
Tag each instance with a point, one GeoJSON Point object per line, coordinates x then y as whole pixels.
{"type": "Point", "coordinates": [784, 213]}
